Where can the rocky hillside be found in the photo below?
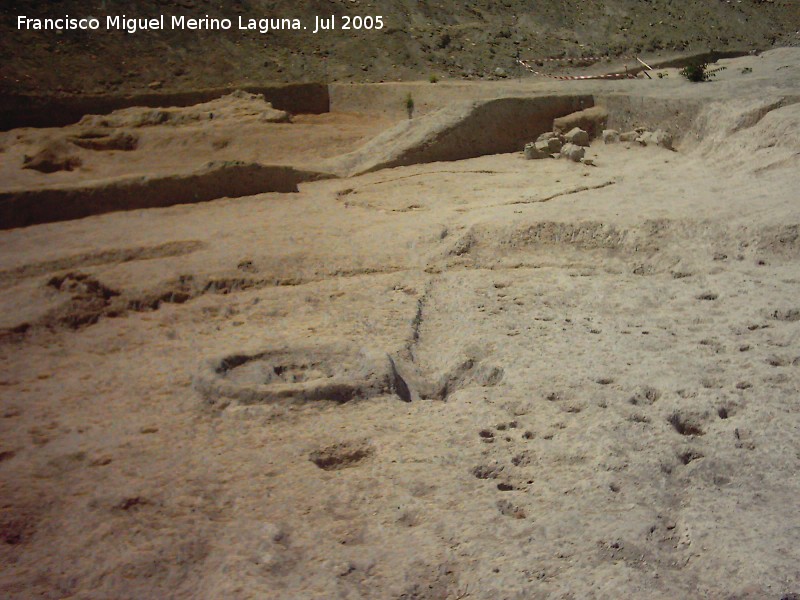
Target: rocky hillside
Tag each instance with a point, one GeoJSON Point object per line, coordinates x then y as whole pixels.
{"type": "Point", "coordinates": [418, 40]}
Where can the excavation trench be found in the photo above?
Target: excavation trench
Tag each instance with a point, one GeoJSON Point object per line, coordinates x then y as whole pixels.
{"type": "Point", "coordinates": [17, 110]}
{"type": "Point", "coordinates": [462, 130]}
{"type": "Point", "coordinates": [225, 180]}
{"type": "Point", "coordinates": [459, 130]}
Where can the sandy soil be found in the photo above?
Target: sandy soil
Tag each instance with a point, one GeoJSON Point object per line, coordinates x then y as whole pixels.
{"type": "Point", "coordinates": [154, 141]}
{"type": "Point", "coordinates": [602, 363]}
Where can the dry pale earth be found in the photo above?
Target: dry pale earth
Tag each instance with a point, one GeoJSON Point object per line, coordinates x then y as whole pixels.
{"type": "Point", "coordinates": [477, 378]}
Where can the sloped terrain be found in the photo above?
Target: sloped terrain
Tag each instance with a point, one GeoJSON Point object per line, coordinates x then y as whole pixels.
{"type": "Point", "coordinates": [447, 39]}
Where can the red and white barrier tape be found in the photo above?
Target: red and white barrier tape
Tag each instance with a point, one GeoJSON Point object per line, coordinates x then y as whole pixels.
{"type": "Point", "coordinates": [577, 77]}
{"type": "Point", "coordinates": [579, 59]}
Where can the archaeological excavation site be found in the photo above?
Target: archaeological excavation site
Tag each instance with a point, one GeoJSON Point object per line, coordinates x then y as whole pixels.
{"type": "Point", "coordinates": [498, 302]}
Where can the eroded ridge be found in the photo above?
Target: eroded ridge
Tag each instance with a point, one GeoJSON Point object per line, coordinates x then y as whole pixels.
{"type": "Point", "coordinates": [216, 180]}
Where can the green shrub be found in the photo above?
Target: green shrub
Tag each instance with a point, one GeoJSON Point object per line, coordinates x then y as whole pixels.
{"type": "Point", "coordinates": [409, 105]}
{"type": "Point", "coordinates": [696, 72]}
{"type": "Point", "coordinates": [433, 78]}
{"type": "Point", "coordinates": [699, 71]}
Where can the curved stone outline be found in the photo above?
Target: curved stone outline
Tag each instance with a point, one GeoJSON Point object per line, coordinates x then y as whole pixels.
{"type": "Point", "coordinates": [369, 377]}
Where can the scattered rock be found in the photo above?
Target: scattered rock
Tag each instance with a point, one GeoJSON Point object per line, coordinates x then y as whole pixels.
{"type": "Point", "coordinates": [532, 152]}
{"type": "Point", "coordinates": [592, 120]}
{"type": "Point", "coordinates": [577, 136]}
{"type": "Point", "coordinates": [554, 145]}
{"type": "Point", "coordinates": [546, 147]}
{"type": "Point", "coordinates": [629, 136]}
{"type": "Point", "coordinates": [610, 136]}
{"type": "Point", "coordinates": [655, 138]}
{"type": "Point", "coordinates": [549, 142]}
{"type": "Point", "coordinates": [572, 152]}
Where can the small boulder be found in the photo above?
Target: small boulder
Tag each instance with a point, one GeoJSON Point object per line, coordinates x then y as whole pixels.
{"type": "Point", "coordinates": [592, 120]}
{"type": "Point", "coordinates": [533, 153]}
{"type": "Point", "coordinates": [554, 144]}
{"type": "Point", "coordinates": [656, 138]}
{"type": "Point", "coordinates": [551, 146]}
{"type": "Point", "coordinates": [546, 136]}
{"type": "Point", "coordinates": [577, 136]}
{"type": "Point", "coordinates": [629, 136]}
{"type": "Point", "coordinates": [543, 146]}
{"type": "Point", "coordinates": [610, 136]}
{"type": "Point", "coordinates": [573, 152]}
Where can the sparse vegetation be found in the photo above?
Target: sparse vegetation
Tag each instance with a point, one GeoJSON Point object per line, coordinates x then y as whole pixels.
{"type": "Point", "coordinates": [696, 72]}
{"type": "Point", "coordinates": [410, 105]}
{"type": "Point", "coordinates": [746, 70]}
{"type": "Point", "coordinates": [438, 36]}
{"type": "Point", "coordinates": [433, 78]}
{"type": "Point", "coordinates": [699, 71]}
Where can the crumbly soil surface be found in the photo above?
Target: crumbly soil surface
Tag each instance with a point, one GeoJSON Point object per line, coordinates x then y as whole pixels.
{"type": "Point", "coordinates": [485, 378]}
{"type": "Point", "coordinates": [156, 142]}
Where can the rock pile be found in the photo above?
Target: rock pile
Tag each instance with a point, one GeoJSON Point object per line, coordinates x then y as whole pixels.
{"type": "Point", "coordinates": [591, 120]}
{"type": "Point", "coordinates": [551, 144]}
{"type": "Point", "coordinates": [577, 136]}
{"type": "Point", "coordinates": [640, 136]}
{"type": "Point", "coordinates": [573, 152]}
{"type": "Point", "coordinates": [572, 144]}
